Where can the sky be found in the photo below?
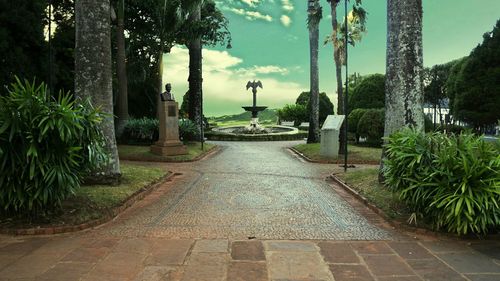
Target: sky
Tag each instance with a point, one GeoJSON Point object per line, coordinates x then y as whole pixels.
{"type": "Point", "coordinates": [271, 43]}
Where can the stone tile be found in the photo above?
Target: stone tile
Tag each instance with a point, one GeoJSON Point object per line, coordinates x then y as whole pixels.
{"type": "Point", "coordinates": [470, 262]}
{"type": "Point", "coordinates": [6, 259]}
{"type": "Point", "coordinates": [488, 248]}
{"type": "Point", "coordinates": [169, 252]}
{"type": "Point", "coordinates": [29, 266]}
{"type": "Point", "coordinates": [23, 247]}
{"type": "Point", "coordinates": [211, 246]}
{"type": "Point", "coordinates": [434, 269]}
{"type": "Point", "coordinates": [134, 245]}
{"type": "Point", "coordinates": [247, 250]}
{"type": "Point", "coordinates": [247, 271]}
{"type": "Point", "coordinates": [387, 265]}
{"type": "Point", "coordinates": [338, 252]}
{"type": "Point", "coordinates": [483, 277]}
{"type": "Point", "coordinates": [297, 265]}
{"type": "Point", "coordinates": [410, 250]}
{"type": "Point", "coordinates": [66, 272]}
{"type": "Point", "coordinates": [101, 243]}
{"type": "Point", "coordinates": [206, 266]}
{"type": "Point", "coordinates": [375, 248]}
{"type": "Point", "coordinates": [445, 246]}
{"type": "Point", "coordinates": [159, 273]}
{"type": "Point", "coordinates": [400, 278]}
{"type": "Point", "coordinates": [88, 255]}
{"type": "Point", "coordinates": [342, 272]}
{"type": "Point", "coordinates": [282, 246]}
{"type": "Point", "coordinates": [117, 266]}
{"type": "Point", "coordinates": [59, 246]}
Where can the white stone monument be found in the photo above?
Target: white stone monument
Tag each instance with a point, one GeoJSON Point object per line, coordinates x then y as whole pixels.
{"type": "Point", "coordinates": [330, 136]}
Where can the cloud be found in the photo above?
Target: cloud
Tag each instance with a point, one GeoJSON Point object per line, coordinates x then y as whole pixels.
{"type": "Point", "coordinates": [286, 20]}
{"type": "Point", "coordinates": [251, 15]}
{"type": "Point", "coordinates": [287, 5]}
{"type": "Point", "coordinates": [251, 3]}
{"type": "Point", "coordinates": [224, 83]}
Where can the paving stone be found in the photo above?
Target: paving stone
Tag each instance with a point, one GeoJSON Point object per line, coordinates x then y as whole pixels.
{"type": "Point", "coordinates": [247, 250]}
{"type": "Point", "coordinates": [247, 271]}
{"type": "Point", "coordinates": [88, 255]}
{"type": "Point", "coordinates": [117, 266]}
{"type": "Point", "coordinates": [290, 246]}
{"type": "Point", "coordinates": [206, 267]}
{"type": "Point", "coordinates": [160, 273]}
{"type": "Point", "coordinates": [211, 246]}
{"type": "Point", "coordinates": [101, 242]}
{"type": "Point", "coordinates": [372, 248]}
{"type": "Point", "coordinates": [334, 252]}
{"type": "Point", "coordinates": [433, 269]}
{"type": "Point", "coordinates": [483, 277]}
{"type": "Point", "coordinates": [400, 278]}
{"type": "Point", "coordinates": [23, 247]}
{"type": "Point", "coordinates": [410, 250]}
{"type": "Point", "coordinates": [67, 271]}
{"type": "Point", "coordinates": [169, 252]}
{"type": "Point", "coordinates": [387, 265]}
{"type": "Point", "coordinates": [29, 266]}
{"type": "Point", "coordinates": [469, 262]}
{"type": "Point", "coordinates": [445, 246]}
{"type": "Point", "coordinates": [59, 246]}
{"type": "Point", "coordinates": [490, 249]}
{"type": "Point", "coordinates": [6, 259]}
{"type": "Point", "coordinates": [135, 245]}
{"type": "Point", "coordinates": [347, 272]}
{"type": "Point", "coordinates": [297, 265]}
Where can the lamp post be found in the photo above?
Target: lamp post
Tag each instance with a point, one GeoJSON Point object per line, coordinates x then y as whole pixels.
{"type": "Point", "coordinates": [346, 83]}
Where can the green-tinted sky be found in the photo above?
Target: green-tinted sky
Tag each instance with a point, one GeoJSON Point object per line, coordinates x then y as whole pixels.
{"type": "Point", "coordinates": [271, 43]}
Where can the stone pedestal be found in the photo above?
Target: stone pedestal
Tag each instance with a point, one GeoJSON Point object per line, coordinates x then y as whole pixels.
{"type": "Point", "coordinates": [330, 136]}
{"type": "Point", "coordinates": [168, 143]}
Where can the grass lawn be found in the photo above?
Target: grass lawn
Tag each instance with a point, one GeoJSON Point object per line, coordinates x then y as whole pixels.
{"type": "Point", "coordinates": [356, 154]}
{"type": "Point", "coordinates": [95, 201]}
{"type": "Point", "coordinates": [143, 153]}
{"type": "Point", "coordinates": [242, 123]}
{"type": "Point", "coordinates": [365, 181]}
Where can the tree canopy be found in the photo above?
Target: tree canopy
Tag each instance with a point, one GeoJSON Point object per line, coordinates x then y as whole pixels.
{"type": "Point", "coordinates": [325, 105]}
{"type": "Point", "coordinates": [369, 93]}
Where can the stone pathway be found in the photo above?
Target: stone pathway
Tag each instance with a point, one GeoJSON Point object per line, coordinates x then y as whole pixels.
{"type": "Point", "coordinates": [197, 227]}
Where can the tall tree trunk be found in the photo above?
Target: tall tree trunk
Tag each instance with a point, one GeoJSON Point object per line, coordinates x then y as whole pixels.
{"type": "Point", "coordinates": [313, 136]}
{"type": "Point", "coordinates": [93, 76]}
{"type": "Point", "coordinates": [404, 91]}
{"type": "Point", "coordinates": [195, 74]}
{"type": "Point", "coordinates": [159, 81]}
{"type": "Point", "coordinates": [338, 72]}
{"type": "Point", "coordinates": [121, 67]}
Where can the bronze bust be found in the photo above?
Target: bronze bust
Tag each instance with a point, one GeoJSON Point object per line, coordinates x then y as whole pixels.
{"type": "Point", "coordinates": [167, 95]}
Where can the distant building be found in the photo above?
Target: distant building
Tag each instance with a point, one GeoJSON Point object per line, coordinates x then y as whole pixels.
{"type": "Point", "coordinates": [439, 114]}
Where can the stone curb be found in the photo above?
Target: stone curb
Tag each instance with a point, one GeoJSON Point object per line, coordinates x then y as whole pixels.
{"type": "Point", "coordinates": [197, 158]}
{"type": "Point", "coordinates": [137, 196]}
{"type": "Point", "coordinates": [303, 156]}
{"type": "Point", "coordinates": [401, 225]}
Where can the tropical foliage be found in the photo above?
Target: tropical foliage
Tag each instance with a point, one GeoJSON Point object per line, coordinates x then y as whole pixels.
{"type": "Point", "coordinates": [47, 147]}
{"type": "Point", "coordinates": [451, 182]}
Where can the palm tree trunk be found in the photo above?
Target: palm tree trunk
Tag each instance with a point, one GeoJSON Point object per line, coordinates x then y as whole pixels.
{"type": "Point", "coordinates": [159, 81]}
{"type": "Point", "coordinates": [313, 136]}
{"type": "Point", "coordinates": [338, 72]}
{"type": "Point", "coordinates": [195, 74]}
{"type": "Point", "coordinates": [404, 91]}
{"type": "Point", "coordinates": [121, 67]}
{"type": "Point", "coordinates": [93, 76]}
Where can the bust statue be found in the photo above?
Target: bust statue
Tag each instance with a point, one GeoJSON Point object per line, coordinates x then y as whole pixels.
{"type": "Point", "coordinates": [167, 95]}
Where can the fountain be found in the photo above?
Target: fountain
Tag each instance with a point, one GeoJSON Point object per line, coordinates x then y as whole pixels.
{"type": "Point", "coordinates": [255, 131]}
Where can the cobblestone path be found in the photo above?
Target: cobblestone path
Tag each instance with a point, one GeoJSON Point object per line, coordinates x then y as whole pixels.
{"type": "Point", "coordinates": [249, 190]}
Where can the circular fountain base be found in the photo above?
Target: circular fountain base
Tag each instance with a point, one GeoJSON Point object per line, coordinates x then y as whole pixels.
{"type": "Point", "coordinates": [258, 133]}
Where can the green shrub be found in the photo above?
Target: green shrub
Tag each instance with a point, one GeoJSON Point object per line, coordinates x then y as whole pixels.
{"type": "Point", "coordinates": [451, 181]}
{"type": "Point", "coordinates": [188, 131]}
{"type": "Point", "coordinates": [325, 106]}
{"type": "Point", "coordinates": [47, 147]}
{"type": "Point", "coordinates": [141, 131]}
{"type": "Point", "coordinates": [294, 112]}
{"type": "Point", "coordinates": [371, 126]}
{"type": "Point", "coordinates": [353, 121]}
{"type": "Point", "coordinates": [369, 93]}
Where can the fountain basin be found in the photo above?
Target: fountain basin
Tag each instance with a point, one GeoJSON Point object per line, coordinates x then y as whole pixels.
{"type": "Point", "coordinates": [274, 133]}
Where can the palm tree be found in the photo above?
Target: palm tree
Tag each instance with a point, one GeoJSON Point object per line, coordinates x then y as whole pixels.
{"type": "Point", "coordinates": [121, 70]}
{"type": "Point", "coordinates": [93, 76]}
{"type": "Point", "coordinates": [404, 87]}
{"type": "Point", "coordinates": [356, 27]}
{"type": "Point", "coordinates": [314, 17]}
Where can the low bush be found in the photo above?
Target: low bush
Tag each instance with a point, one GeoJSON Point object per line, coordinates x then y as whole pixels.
{"type": "Point", "coordinates": [294, 112]}
{"type": "Point", "coordinates": [47, 147]}
{"type": "Point", "coordinates": [371, 126]}
{"type": "Point", "coordinates": [452, 182]}
{"type": "Point", "coordinates": [353, 121]}
{"type": "Point", "coordinates": [145, 131]}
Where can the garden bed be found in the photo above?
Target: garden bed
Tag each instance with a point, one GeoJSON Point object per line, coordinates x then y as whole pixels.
{"type": "Point", "coordinates": [91, 205]}
{"type": "Point", "coordinates": [265, 137]}
{"type": "Point", "coordinates": [143, 153]}
{"type": "Point", "coordinates": [356, 154]}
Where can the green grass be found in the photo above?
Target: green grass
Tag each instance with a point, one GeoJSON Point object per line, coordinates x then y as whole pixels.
{"type": "Point", "coordinates": [266, 117]}
{"type": "Point", "coordinates": [356, 154]}
{"type": "Point", "coordinates": [143, 153]}
{"type": "Point", "coordinates": [94, 201]}
{"type": "Point", "coordinates": [365, 181]}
